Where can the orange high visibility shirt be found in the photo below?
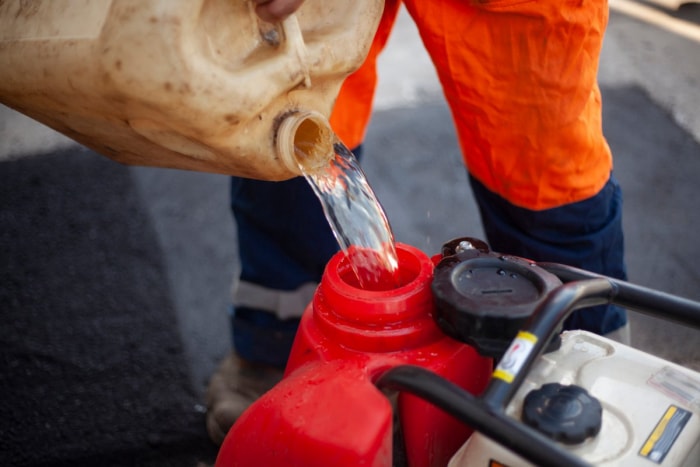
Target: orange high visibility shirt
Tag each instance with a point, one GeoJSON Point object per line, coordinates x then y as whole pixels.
{"type": "Point", "coordinates": [520, 77]}
{"type": "Point", "coordinates": [353, 106]}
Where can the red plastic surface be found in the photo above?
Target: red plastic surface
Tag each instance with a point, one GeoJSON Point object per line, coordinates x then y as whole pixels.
{"type": "Point", "coordinates": [327, 411]}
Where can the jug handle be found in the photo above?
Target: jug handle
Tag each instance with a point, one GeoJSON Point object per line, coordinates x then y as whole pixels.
{"type": "Point", "coordinates": [295, 44]}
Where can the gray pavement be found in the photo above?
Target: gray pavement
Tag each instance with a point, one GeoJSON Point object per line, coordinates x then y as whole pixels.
{"type": "Point", "coordinates": [115, 280]}
{"type": "Point", "coordinates": [93, 370]}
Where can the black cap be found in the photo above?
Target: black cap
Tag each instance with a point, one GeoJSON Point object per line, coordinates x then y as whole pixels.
{"type": "Point", "coordinates": [567, 414]}
{"type": "Point", "coordinates": [484, 298]}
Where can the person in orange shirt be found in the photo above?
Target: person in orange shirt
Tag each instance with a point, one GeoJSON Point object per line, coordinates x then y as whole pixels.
{"type": "Point", "coordinates": [520, 77]}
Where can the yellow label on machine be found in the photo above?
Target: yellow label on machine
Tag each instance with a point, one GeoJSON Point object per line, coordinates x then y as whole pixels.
{"type": "Point", "coordinates": [515, 356]}
{"type": "Point", "coordinates": [661, 439]}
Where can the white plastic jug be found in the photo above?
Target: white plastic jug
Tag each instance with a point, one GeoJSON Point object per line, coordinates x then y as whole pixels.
{"type": "Point", "coordinates": [190, 84]}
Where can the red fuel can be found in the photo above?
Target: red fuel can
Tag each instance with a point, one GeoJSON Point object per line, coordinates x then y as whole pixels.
{"type": "Point", "coordinates": [327, 411]}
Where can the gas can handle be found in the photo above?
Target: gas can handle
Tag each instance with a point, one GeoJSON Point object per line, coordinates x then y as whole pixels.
{"type": "Point", "coordinates": [294, 43]}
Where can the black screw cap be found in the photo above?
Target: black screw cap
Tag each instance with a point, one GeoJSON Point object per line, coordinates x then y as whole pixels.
{"type": "Point", "coordinates": [567, 414]}
{"type": "Point", "coordinates": [484, 298]}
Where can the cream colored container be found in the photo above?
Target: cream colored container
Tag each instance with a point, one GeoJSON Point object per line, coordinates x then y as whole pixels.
{"type": "Point", "coordinates": [651, 407]}
{"type": "Point", "coordinates": [191, 84]}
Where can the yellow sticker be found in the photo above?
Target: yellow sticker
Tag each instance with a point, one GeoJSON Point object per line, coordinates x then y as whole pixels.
{"type": "Point", "coordinates": [515, 356]}
{"type": "Point", "coordinates": [665, 433]}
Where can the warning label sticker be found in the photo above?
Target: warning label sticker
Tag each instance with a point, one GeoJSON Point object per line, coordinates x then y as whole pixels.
{"type": "Point", "coordinates": [660, 441]}
{"type": "Point", "coordinates": [515, 356]}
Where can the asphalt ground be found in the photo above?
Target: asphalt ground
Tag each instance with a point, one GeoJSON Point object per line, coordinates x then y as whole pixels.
{"type": "Point", "coordinates": [114, 280]}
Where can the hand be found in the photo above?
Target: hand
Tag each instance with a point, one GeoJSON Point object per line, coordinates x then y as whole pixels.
{"type": "Point", "coordinates": [276, 10]}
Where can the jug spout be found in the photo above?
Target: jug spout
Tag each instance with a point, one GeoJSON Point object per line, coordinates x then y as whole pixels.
{"type": "Point", "coordinates": [305, 141]}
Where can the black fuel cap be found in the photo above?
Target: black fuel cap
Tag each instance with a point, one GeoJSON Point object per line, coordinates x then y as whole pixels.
{"type": "Point", "coordinates": [484, 298]}
{"type": "Point", "coordinates": [567, 414]}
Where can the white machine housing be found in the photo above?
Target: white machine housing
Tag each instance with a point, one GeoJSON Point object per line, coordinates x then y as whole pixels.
{"type": "Point", "coordinates": [651, 407]}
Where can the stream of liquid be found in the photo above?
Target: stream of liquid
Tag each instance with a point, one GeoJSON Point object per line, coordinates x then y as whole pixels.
{"type": "Point", "coordinates": [357, 219]}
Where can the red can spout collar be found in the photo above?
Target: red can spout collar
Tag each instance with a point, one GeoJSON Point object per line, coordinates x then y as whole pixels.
{"type": "Point", "coordinates": [379, 321]}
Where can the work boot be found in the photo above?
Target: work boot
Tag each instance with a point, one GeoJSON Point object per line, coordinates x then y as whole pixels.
{"type": "Point", "coordinates": [232, 389]}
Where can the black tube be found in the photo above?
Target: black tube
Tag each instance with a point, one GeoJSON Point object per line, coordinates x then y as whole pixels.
{"type": "Point", "coordinates": [635, 297]}
{"type": "Point", "coordinates": [543, 324]}
{"type": "Point", "coordinates": [470, 410]}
